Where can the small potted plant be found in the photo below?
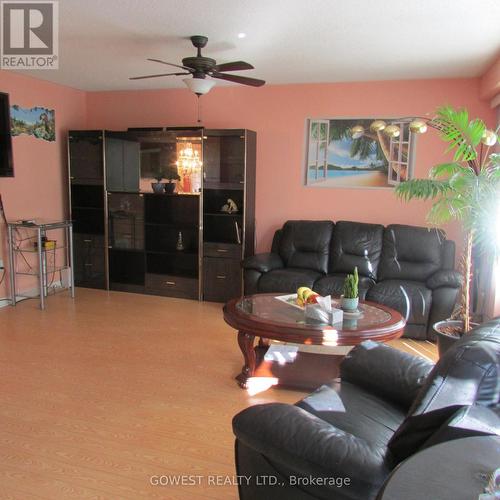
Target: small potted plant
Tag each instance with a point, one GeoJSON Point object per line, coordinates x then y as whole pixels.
{"type": "Point", "coordinates": [158, 175]}
{"type": "Point", "coordinates": [172, 176]}
{"type": "Point", "coordinates": [350, 298]}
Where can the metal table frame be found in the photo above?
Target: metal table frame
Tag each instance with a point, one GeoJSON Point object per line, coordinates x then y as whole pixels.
{"type": "Point", "coordinates": [41, 230]}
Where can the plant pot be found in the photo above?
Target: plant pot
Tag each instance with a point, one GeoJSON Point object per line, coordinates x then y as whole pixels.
{"type": "Point", "coordinates": [446, 339]}
{"type": "Point", "coordinates": [349, 305]}
{"type": "Point", "coordinates": [169, 187]}
{"type": "Point", "coordinates": [158, 187]}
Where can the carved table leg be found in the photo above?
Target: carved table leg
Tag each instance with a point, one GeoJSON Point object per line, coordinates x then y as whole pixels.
{"type": "Point", "coordinates": [263, 342]}
{"type": "Point", "coordinates": [246, 343]}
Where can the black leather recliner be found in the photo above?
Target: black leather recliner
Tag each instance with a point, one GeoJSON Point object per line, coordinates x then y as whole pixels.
{"type": "Point", "coordinates": [407, 268]}
{"type": "Point", "coordinates": [343, 440]}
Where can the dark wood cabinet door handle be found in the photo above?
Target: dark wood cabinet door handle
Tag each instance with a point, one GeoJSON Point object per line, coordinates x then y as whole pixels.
{"type": "Point", "coordinates": [170, 283]}
{"type": "Point", "coordinates": [221, 276]}
{"type": "Point", "coordinates": [87, 241]}
{"type": "Point", "coordinates": [222, 250]}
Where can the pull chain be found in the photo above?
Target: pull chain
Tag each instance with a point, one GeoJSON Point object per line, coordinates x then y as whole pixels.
{"type": "Point", "coordinates": [199, 108]}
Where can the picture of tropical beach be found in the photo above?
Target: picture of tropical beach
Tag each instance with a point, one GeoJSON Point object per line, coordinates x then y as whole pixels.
{"type": "Point", "coordinates": [38, 122]}
{"type": "Point", "coordinates": [348, 153]}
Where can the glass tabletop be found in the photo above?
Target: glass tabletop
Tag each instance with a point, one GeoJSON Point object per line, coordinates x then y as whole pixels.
{"type": "Point", "coordinates": [268, 308]}
{"type": "Point", "coordinates": [43, 223]}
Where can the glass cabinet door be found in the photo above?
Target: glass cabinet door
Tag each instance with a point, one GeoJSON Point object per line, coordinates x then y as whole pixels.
{"type": "Point", "coordinates": [173, 157]}
{"type": "Point", "coordinates": [85, 157]}
{"type": "Point", "coordinates": [126, 221]}
{"type": "Point", "coordinates": [224, 159]}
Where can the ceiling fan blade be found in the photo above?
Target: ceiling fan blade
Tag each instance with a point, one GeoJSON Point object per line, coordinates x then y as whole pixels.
{"type": "Point", "coordinates": [233, 66]}
{"type": "Point", "coordinates": [172, 64]}
{"type": "Point", "coordinates": [254, 82]}
{"type": "Point", "coordinates": [156, 76]}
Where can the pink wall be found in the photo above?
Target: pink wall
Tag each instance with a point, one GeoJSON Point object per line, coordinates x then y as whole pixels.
{"type": "Point", "coordinates": [278, 114]}
{"type": "Point", "coordinates": [490, 81]}
{"type": "Point", "coordinates": [39, 188]}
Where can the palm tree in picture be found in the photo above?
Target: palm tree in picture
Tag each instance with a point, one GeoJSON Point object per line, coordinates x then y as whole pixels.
{"type": "Point", "coordinates": [368, 143]}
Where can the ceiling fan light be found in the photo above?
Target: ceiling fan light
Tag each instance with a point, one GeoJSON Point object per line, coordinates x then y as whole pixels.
{"type": "Point", "coordinates": [199, 86]}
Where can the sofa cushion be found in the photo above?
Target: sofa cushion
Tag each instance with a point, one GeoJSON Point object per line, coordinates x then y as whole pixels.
{"type": "Point", "coordinates": [333, 284]}
{"type": "Point", "coordinates": [306, 244]}
{"type": "Point", "coordinates": [356, 244]}
{"type": "Point", "coordinates": [409, 252]}
{"type": "Point", "coordinates": [411, 298]}
{"type": "Point", "coordinates": [355, 411]}
{"type": "Point", "coordinates": [468, 373]}
{"type": "Point", "coordinates": [287, 280]}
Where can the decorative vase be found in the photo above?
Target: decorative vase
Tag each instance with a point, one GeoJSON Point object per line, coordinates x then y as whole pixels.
{"type": "Point", "coordinates": [349, 305]}
{"type": "Point", "coordinates": [180, 244]}
{"type": "Point", "coordinates": [186, 183]}
{"type": "Point", "coordinates": [169, 187]}
{"type": "Point", "coordinates": [158, 187]}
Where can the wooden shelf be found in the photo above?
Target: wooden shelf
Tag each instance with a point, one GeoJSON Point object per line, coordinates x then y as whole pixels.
{"type": "Point", "coordinates": [223, 186]}
{"type": "Point", "coordinates": [224, 214]}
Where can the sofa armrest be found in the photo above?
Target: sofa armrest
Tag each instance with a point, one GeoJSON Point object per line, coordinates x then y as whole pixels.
{"type": "Point", "coordinates": [444, 277]}
{"type": "Point", "coordinates": [468, 421]}
{"type": "Point", "coordinates": [390, 373]}
{"type": "Point", "coordinates": [263, 262]}
{"type": "Point", "coordinates": [301, 442]}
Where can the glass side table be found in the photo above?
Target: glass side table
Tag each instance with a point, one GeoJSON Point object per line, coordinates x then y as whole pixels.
{"type": "Point", "coordinates": [52, 255]}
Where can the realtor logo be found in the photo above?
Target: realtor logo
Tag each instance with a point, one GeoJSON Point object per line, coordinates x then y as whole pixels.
{"type": "Point", "coordinates": [29, 35]}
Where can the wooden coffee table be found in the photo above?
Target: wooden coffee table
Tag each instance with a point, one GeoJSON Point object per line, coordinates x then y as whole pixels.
{"type": "Point", "coordinates": [266, 317]}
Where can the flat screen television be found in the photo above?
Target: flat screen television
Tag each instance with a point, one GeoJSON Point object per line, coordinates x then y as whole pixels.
{"type": "Point", "coordinates": [6, 163]}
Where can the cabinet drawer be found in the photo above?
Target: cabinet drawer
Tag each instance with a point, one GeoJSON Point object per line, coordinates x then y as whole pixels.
{"type": "Point", "coordinates": [172, 286]}
{"type": "Point", "coordinates": [221, 279]}
{"type": "Point", "coordinates": [224, 250]}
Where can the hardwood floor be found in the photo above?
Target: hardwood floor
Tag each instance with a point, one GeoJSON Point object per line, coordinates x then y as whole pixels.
{"type": "Point", "coordinates": [99, 394]}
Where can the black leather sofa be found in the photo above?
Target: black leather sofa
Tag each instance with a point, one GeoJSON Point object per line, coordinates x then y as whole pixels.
{"type": "Point", "coordinates": [387, 406]}
{"type": "Point", "coordinates": [408, 268]}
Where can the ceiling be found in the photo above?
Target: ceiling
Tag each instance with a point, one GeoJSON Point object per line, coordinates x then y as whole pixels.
{"type": "Point", "coordinates": [103, 42]}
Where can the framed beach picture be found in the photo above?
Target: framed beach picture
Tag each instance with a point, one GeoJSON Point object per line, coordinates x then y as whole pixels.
{"type": "Point", "coordinates": [38, 122]}
{"type": "Point", "coordinates": [349, 153]}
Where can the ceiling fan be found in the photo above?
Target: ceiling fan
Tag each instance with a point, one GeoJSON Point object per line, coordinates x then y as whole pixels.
{"type": "Point", "coordinates": [200, 67]}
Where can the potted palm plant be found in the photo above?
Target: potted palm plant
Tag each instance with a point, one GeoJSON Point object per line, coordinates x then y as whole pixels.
{"type": "Point", "coordinates": [466, 189]}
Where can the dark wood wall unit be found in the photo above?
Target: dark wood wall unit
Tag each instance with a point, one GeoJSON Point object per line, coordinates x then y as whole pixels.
{"type": "Point", "coordinates": [142, 242]}
{"type": "Point", "coordinates": [87, 206]}
{"type": "Point", "coordinates": [126, 241]}
{"type": "Point", "coordinates": [228, 165]}
{"type": "Point", "coordinates": [250, 186]}
{"type": "Point", "coordinates": [172, 268]}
